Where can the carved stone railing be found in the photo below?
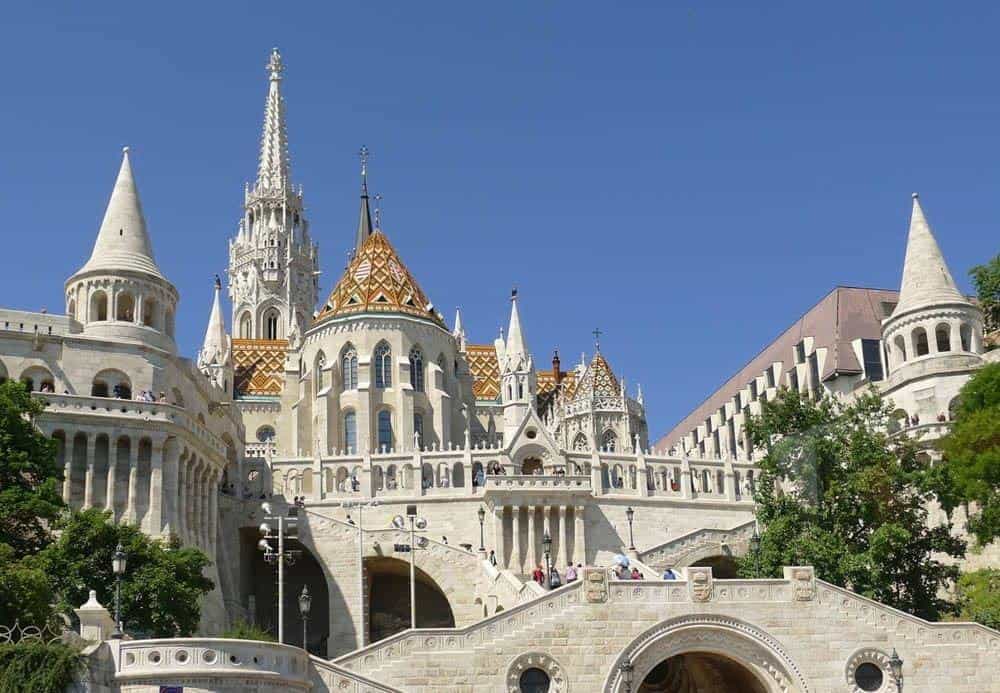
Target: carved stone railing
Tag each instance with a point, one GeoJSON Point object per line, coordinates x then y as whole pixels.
{"type": "Point", "coordinates": [205, 659]}
{"type": "Point", "coordinates": [684, 549]}
{"type": "Point", "coordinates": [537, 482]}
{"type": "Point", "coordinates": [337, 679]}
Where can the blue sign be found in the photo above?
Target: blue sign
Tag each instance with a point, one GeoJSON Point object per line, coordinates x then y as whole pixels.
{"type": "Point", "coordinates": [171, 689]}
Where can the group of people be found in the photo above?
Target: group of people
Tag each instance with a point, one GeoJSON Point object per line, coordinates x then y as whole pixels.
{"type": "Point", "coordinates": [623, 573]}
{"type": "Point", "coordinates": [572, 574]}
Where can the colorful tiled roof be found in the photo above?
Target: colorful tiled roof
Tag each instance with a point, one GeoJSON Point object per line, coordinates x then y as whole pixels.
{"type": "Point", "coordinates": [259, 366]}
{"type": "Point", "coordinates": [377, 281]}
{"type": "Point", "coordinates": [597, 381]}
{"type": "Point", "coordinates": [485, 370]}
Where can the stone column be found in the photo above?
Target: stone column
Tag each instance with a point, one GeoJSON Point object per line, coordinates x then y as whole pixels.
{"type": "Point", "coordinates": [498, 543]}
{"type": "Point", "coordinates": [730, 480]}
{"type": "Point", "coordinates": [154, 515]}
{"type": "Point", "coordinates": [182, 504]}
{"type": "Point", "coordinates": [549, 517]}
{"type": "Point", "coordinates": [563, 548]}
{"type": "Point", "coordinates": [579, 535]}
{"type": "Point", "coordinates": [194, 501]}
{"type": "Point", "coordinates": [133, 481]}
{"type": "Point", "coordinates": [685, 478]}
{"type": "Point", "coordinates": [69, 445]}
{"type": "Point", "coordinates": [515, 549]}
{"type": "Point", "coordinates": [532, 554]}
{"type": "Point", "coordinates": [171, 465]}
{"type": "Point", "coordinates": [109, 498]}
{"type": "Point", "coordinates": [203, 504]}
{"type": "Point", "coordinates": [213, 514]}
{"type": "Point", "coordinates": [88, 484]}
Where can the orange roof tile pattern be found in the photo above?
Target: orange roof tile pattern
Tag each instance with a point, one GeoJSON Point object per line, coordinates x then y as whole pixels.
{"type": "Point", "coordinates": [598, 380]}
{"type": "Point", "coordinates": [259, 366]}
{"type": "Point", "coordinates": [549, 388]}
{"type": "Point", "coordinates": [485, 370]}
{"type": "Point", "coordinates": [377, 281]}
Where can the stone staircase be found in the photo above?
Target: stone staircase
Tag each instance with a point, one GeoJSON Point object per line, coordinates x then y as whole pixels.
{"type": "Point", "coordinates": [687, 548]}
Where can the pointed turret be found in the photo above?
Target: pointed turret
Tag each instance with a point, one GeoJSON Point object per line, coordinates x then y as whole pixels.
{"type": "Point", "coordinates": [274, 168]}
{"type": "Point", "coordinates": [459, 331]}
{"type": "Point", "coordinates": [122, 241]}
{"type": "Point", "coordinates": [926, 279]}
{"type": "Point", "coordinates": [516, 347]}
{"type": "Point", "coordinates": [215, 350]}
{"type": "Point", "coordinates": [365, 216]}
{"type": "Point", "coordinates": [519, 382]}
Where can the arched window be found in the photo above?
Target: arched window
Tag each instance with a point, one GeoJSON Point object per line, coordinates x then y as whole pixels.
{"type": "Point", "coordinates": [98, 306]}
{"type": "Point", "coordinates": [920, 345]}
{"type": "Point", "coordinates": [965, 334]}
{"type": "Point", "coordinates": [111, 383]}
{"type": "Point", "coordinates": [418, 426]}
{"type": "Point", "coordinates": [900, 348]}
{"type": "Point", "coordinates": [416, 369]}
{"type": "Point", "coordinates": [272, 324]}
{"type": "Point", "coordinates": [520, 389]}
{"type": "Point", "coordinates": [246, 326]}
{"type": "Point", "coordinates": [350, 433]}
{"type": "Point", "coordinates": [149, 313]}
{"type": "Point", "coordinates": [580, 442]}
{"type": "Point", "coordinates": [125, 310]}
{"type": "Point", "coordinates": [533, 680]}
{"type": "Point", "coordinates": [349, 367]}
{"type": "Point", "coordinates": [168, 322]}
{"type": "Point", "coordinates": [318, 370]}
{"type": "Point", "coordinates": [265, 434]}
{"type": "Point", "coordinates": [382, 363]}
{"type": "Point", "coordinates": [609, 441]}
{"type": "Point", "coordinates": [943, 337]}
{"type": "Point", "coordinates": [71, 309]}
{"type": "Point", "coordinates": [385, 430]}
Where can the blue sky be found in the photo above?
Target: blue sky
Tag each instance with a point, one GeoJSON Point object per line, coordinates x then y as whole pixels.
{"type": "Point", "coordinates": [688, 176]}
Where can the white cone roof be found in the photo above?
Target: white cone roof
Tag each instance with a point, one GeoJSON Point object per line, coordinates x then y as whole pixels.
{"type": "Point", "coordinates": [122, 241]}
{"type": "Point", "coordinates": [215, 350]}
{"type": "Point", "coordinates": [926, 279]}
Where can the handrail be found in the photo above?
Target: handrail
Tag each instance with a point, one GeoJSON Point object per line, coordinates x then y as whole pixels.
{"type": "Point", "coordinates": [707, 531]}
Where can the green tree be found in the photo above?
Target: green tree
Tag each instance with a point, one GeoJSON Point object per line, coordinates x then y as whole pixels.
{"type": "Point", "coordinates": [241, 630]}
{"type": "Point", "coordinates": [838, 492]}
{"type": "Point", "coordinates": [163, 582]}
{"type": "Point", "coordinates": [987, 281]}
{"type": "Point", "coordinates": [25, 592]}
{"type": "Point", "coordinates": [978, 597]}
{"type": "Point", "coordinates": [972, 449]}
{"type": "Point", "coordinates": [30, 479]}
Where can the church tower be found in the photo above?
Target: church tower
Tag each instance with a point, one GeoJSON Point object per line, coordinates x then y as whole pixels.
{"type": "Point", "coordinates": [518, 381]}
{"type": "Point", "coordinates": [273, 263]}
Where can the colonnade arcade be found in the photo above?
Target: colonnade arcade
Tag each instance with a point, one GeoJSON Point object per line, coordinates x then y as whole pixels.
{"type": "Point", "coordinates": [519, 525]}
{"type": "Point", "coordinates": [149, 479]}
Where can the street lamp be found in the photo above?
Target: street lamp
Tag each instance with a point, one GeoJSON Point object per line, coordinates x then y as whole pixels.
{"type": "Point", "coordinates": [282, 557]}
{"type": "Point", "coordinates": [118, 560]}
{"type": "Point", "coordinates": [630, 514]}
{"type": "Point", "coordinates": [305, 603]}
{"type": "Point", "coordinates": [482, 518]}
{"type": "Point", "coordinates": [547, 548]}
{"type": "Point", "coordinates": [755, 550]}
{"type": "Point", "coordinates": [416, 523]}
{"type": "Point", "coordinates": [626, 668]}
{"type": "Point", "coordinates": [896, 666]}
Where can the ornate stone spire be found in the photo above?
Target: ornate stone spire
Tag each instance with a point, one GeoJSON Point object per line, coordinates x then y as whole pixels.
{"type": "Point", "coordinates": [274, 169]}
{"type": "Point", "coordinates": [122, 241]}
{"type": "Point", "coordinates": [516, 347]}
{"type": "Point", "coordinates": [365, 217]}
{"type": "Point", "coordinates": [215, 350]}
{"type": "Point", "coordinates": [926, 279]}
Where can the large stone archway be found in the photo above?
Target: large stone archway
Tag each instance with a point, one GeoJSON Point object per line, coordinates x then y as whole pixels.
{"type": "Point", "coordinates": [388, 603]}
{"type": "Point", "coordinates": [709, 646]}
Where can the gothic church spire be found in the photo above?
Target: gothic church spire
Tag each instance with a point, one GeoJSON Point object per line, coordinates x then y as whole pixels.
{"type": "Point", "coordinates": [365, 217]}
{"type": "Point", "coordinates": [274, 169]}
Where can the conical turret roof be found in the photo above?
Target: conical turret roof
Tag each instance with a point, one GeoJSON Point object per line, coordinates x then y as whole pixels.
{"type": "Point", "coordinates": [597, 381]}
{"type": "Point", "coordinates": [122, 241]}
{"type": "Point", "coordinates": [215, 349]}
{"type": "Point", "coordinates": [377, 281]}
{"type": "Point", "coordinates": [926, 279]}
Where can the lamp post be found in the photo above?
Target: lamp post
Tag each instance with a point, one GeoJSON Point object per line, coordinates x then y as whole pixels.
{"type": "Point", "coordinates": [896, 666]}
{"type": "Point", "coordinates": [626, 668]}
{"type": "Point", "coordinates": [118, 561]}
{"type": "Point", "coordinates": [755, 550]}
{"type": "Point", "coordinates": [416, 523]}
{"type": "Point", "coordinates": [482, 518]}
{"type": "Point", "coordinates": [630, 515]}
{"type": "Point", "coordinates": [547, 548]}
{"type": "Point", "coordinates": [360, 506]}
{"type": "Point", "coordinates": [281, 557]}
{"type": "Point", "coordinates": [305, 603]}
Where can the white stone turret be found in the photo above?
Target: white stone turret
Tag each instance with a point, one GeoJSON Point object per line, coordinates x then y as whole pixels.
{"type": "Point", "coordinates": [934, 336]}
{"type": "Point", "coordinates": [214, 359]}
{"type": "Point", "coordinates": [120, 292]}
{"type": "Point", "coordinates": [518, 381]}
{"type": "Point", "coordinates": [459, 331]}
{"type": "Point", "coordinates": [273, 263]}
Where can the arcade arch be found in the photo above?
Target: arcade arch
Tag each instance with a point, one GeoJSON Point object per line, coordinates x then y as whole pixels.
{"type": "Point", "coordinates": [389, 599]}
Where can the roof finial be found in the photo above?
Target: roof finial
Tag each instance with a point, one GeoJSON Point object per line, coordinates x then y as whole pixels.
{"type": "Point", "coordinates": [915, 196]}
{"type": "Point", "coordinates": [597, 338]}
{"type": "Point", "coordinates": [513, 294]}
{"type": "Point", "coordinates": [274, 66]}
{"type": "Point", "coordinates": [125, 149]}
{"type": "Point", "coordinates": [218, 283]}
{"type": "Point", "coordinates": [363, 155]}
{"type": "Point", "coordinates": [378, 210]}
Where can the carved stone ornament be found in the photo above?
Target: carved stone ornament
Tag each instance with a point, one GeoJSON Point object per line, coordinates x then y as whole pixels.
{"type": "Point", "coordinates": [803, 582]}
{"type": "Point", "coordinates": [869, 655]}
{"type": "Point", "coordinates": [700, 581]}
{"type": "Point", "coordinates": [595, 582]}
{"type": "Point", "coordinates": [536, 660]}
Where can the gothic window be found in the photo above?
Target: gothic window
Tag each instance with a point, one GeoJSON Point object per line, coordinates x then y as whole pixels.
{"type": "Point", "coordinates": [168, 322]}
{"type": "Point", "coordinates": [385, 430]}
{"type": "Point", "coordinates": [149, 312]}
{"type": "Point", "coordinates": [246, 326]}
{"type": "Point", "coordinates": [350, 433]}
{"type": "Point", "coordinates": [416, 369]}
{"type": "Point", "coordinates": [125, 310]}
{"type": "Point", "coordinates": [418, 426]}
{"type": "Point", "coordinates": [382, 362]}
{"type": "Point", "coordinates": [609, 441]}
{"type": "Point", "coordinates": [271, 325]}
{"type": "Point", "coordinates": [920, 341]}
{"type": "Point", "coordinates": [965, 333]}
{"type": "Point", "coordinates": [580, 442]}
{"type": "Point", "coordinates": [320, 364]}
{"type": "Point", "coordinates": [520, 389]}
{"type": "Point", "coordinates": [900, 348]}
{"type": "Point", "coordinates": [265, 434]}
{"type": "Point", "coordinates": [99, 306]}
{"type": "Point", "coordinates": [943, 336]}
{"type": "Point", "coordinates": [349, 367]}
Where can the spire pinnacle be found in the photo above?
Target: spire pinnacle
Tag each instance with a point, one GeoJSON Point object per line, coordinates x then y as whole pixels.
{"type": "Point", "coordinates": [274, 168]}
{"type": "Point", "coordinates": [365, 216]}
{"type": "Point", "coordinates": [926, 279]}
{"type": "Point", "coordinates": [215, 349]}
{"type": "Point", "coordinates": [516, 345]}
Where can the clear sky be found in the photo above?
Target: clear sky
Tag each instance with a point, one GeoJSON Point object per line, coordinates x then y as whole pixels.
{"type": "Point", "coordinates": [688, 176]}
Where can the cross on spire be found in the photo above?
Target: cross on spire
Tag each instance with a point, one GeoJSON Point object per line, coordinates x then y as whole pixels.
{"type": "Point", "coordinates": [597, 338]}
{"type": "Point", "coordinates": [363, 155]}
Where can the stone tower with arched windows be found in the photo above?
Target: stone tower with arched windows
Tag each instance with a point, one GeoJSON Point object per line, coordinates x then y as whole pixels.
{"type": "Point", "coordinates": [934, 336]}
{"type": "Point", "coordinates": [518, 382]}
{"type": "Point", "coordinates": [273, 263]}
